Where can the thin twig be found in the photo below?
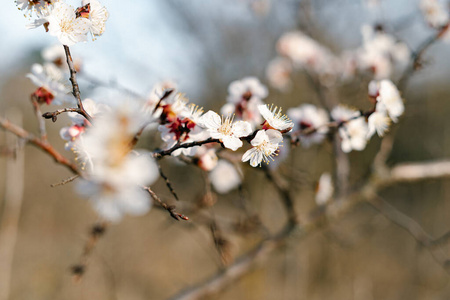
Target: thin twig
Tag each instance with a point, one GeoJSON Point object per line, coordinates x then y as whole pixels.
{"type": "Point", "coordinates": [53, 115]}
{"type": "Point", "coordinates": [170, 208]}
{"type": "Point", "coordinates": [65, 181]}
{"type": "Point", "coordinates": [75, 87]}
{"type": "Point", "coordinates": [161, 153]}
{"type": "Point", "coordinates": [168, 183]}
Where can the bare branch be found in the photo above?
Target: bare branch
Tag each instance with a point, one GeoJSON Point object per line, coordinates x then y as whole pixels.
{"type": "Point", "coordinates": [45, 146]}
{"type": "Point", "coordinates": [161, 153]}
{"type": "Point", "coordinates": [170, 208]}
{"type": "Point", "coordinates": [73, 80]}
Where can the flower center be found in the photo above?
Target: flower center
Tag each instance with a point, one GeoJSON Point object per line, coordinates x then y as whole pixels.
{"type": "Point", "coordinates": [226, 128]}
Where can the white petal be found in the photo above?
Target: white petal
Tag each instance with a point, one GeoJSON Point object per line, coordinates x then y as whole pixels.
{"type": "Point", "coordinates": [232, 142]}
{"type": "Point", "coordinates": [241, 128]}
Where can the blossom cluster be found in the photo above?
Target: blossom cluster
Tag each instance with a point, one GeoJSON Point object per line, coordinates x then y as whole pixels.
{"type": "Point", "coordinates": [114, 174]}
{"type": "Point", "coordinates": [379, 55]}
{"type": "Point", "coordinates": [70, 25]}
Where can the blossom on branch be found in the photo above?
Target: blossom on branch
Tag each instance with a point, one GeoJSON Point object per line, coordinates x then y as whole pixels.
{"type": "Point", "coordinates": [264, 147]}
{"type": "Point", "coordinates": [243, 99]}
{"type": "Point", "coordinates": [64, 24]}
{"type": "Point", "coordinates": [275, 119]}
{"type": "Point", "coordinates": [352, 128]}
{"type": "Point", "coordinates": [309, 117]}
{"type": "Point", "coordinates": [113, 182]}
{"type": "Point", "coordinates": [224, 129]}
{"type": "Point", "coordinates": [386, 93]}
{"type": "Point", "coordinates": [97, 14]}
{"type": "Point", "coordinates": [51, 89]}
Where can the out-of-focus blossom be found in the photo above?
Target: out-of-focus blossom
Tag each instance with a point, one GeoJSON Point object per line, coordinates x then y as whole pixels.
{"type": "Point", "coordinates": [50, 88]}
{"type": "Point", "coordinates": [378, 121]}
{"type": "Point", "coordinates": [434, 13]}
{"type": "Point", "coordinates": [227, 131]}
{"type": "Point", "coordinates": [243, 99]}
{"type": "Point", "coordinates": [278, 73]}
{"type": "Point", "coordinates": [325, 189]}
{"type": "Point", "coordinates": [387, 94]}
{"type": "Point", "coordinates": [224, 177]}
{"type": "Point", "coordinates": [381, 53]}
{"type": "Point", "coordinates": [113, 182]}
{"type": "Point", "coordinates": [352, 130]}
{"type": "Point", "coordinates": [79, 123]}
{"type": "Point", "coordinates": [37, 6]}
{"type": "Point", "coordinates": [275, 119]}
{"type": "Point", "coordinates": [206, 158]}
{"type": "Point", "coordinates": [264, 147]}
{"type": "Point", "coordinates": [306, 53]}
{"type": "Point", "coordinates": [57, 56]}
{"type": "Point", "coordinates": [309, 117]}
{"type": "Point", "coordinates": [64, 24]}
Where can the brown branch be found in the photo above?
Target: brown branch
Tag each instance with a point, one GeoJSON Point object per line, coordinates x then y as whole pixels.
{"type": "Point", "coordinates": [167, 181]}
{"type": "Point", "coordinates": [162, 153]}
{"type": "Point", "coordinates": [53, 115]}
{"type": "Point", "coordinates": [170, 208]}
{"type": "Point", "coordinates": [43, 145]}
{"type": "Point", "coordinates": [75, 87]}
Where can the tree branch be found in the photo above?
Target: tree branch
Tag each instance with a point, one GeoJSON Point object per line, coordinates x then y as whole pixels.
{"type": "Point", "coordinates": [45, 146]}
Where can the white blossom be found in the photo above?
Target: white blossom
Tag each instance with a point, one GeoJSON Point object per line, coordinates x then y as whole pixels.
{"type": "Point", "coordinates": [378, 121]}
{"type": "Point", "coordinates": [114, 179]}
{"type": "Point", "coordinates": [37, 6]}
{"type": "Point", "coordinates": [206, 158]}
{"type": "Point", "coordinates": [50, 87]}
{"type": "Point", "coordinates": [275, 119]}
{"type": "Point", "coordinates": [387, 93]}
{"type": "Point", "coordinates": [224, 177]}
{"type": "Point", "coordinates": [308, 116]}
{"type": "Point", "coordinates": [264, 147]}
{"type": "Point", "coordinates": [381, 53]}
{"type": "Point", "coordinates": [246, 89]}
{"type": "Point", "coordinates": [278, 73]}
{"type": "Point", "coordinates": [352, 130]}
{"type": "Point", "coordinates": [64, 24]}
{"type": "Point", "coordinates": [227, 131]}
{"type": "Point", "coordinates": [243, 99]}
{"type": "Point", "coordinates": [98, 15]}
{"type": "Point", "coordinates": [434, 13]}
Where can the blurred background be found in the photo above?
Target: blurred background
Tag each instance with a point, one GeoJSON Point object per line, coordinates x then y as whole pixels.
{"type": "Point", "coordinates": [203, 46]}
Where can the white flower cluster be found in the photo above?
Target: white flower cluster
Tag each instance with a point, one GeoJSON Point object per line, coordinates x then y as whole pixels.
{"type": "Point", "coordinates": [68, 24]}
{"type": "Point", "coordinates": [115, 174]}
{"type": "Point", "coordinates": [380, 54]}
